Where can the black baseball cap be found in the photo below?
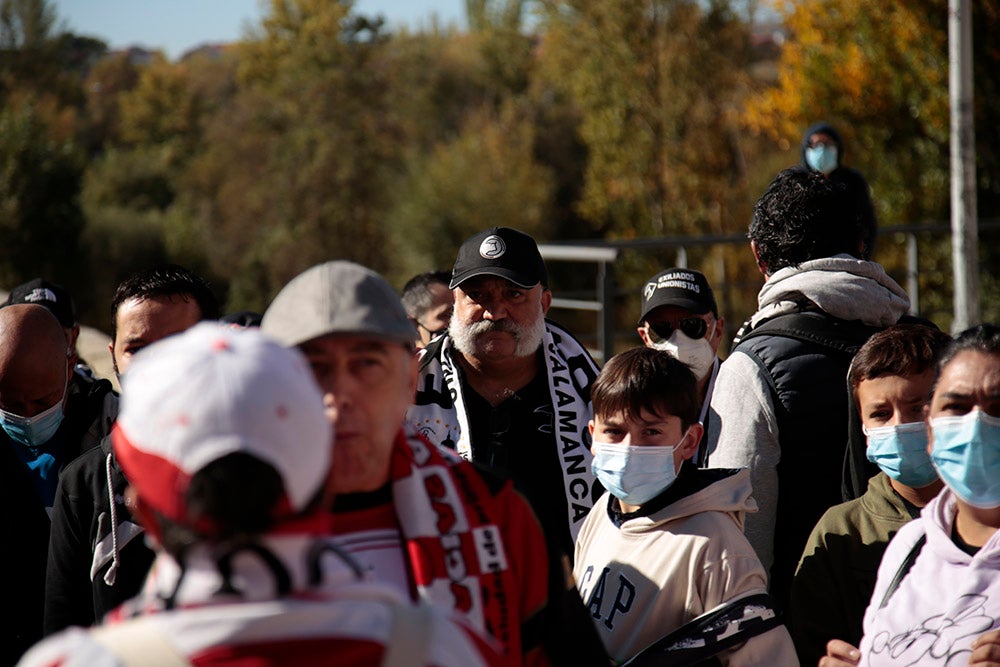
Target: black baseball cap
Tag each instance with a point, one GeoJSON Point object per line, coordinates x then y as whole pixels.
{"type": "Point", "coordinates": [684, 288]}
{"type": "Point", "coordinates": [503, 252]}
{"type": "Point", "coordinates": [41, 292]}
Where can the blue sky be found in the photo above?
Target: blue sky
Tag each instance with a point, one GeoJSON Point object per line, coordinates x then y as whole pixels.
{"type": "Point", "coordinates": [175, 26]}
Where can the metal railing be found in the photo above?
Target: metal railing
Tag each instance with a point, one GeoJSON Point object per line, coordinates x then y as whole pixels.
{"type": "Point", "coordinates": [604, 254]}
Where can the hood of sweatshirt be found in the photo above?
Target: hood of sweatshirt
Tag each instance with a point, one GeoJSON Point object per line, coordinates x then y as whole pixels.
{"type": "Point", "coordinates": [696, 490]}
{"type": "Point", "coordinates": [842, 286]}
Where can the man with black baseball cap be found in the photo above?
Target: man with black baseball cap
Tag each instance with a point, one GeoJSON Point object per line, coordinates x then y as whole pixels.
{"type": "Point", "coordinates": [680, 316]}
{"type": "Point", "coordinates": [507, 388]}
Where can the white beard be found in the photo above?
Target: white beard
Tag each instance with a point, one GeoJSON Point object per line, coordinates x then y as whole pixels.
{"type": "Point", "coordinates": [528, 339]}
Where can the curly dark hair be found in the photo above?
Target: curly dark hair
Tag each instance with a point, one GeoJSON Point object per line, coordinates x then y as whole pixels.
{"type": "Point", "coordinates": [802, 216]}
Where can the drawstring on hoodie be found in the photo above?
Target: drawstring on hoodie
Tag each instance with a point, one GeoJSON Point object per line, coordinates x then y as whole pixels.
{"type": "Point", "coordinates": [109, 576]}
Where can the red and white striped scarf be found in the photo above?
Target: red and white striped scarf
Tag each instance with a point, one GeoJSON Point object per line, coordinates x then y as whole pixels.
{"type": "Point", "coordinates": [456, 552]}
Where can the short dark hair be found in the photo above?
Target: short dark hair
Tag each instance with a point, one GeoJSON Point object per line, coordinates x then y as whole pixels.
{"type": "Point", "coordinates": [231, 500]}
{"type": "Point", "coordinates": [644, 378]}
{"type": "Point", "coordinates": [902, 349]}
{"type": "Point", "coordinates": [165, 280]}
{"type": "Point", "coordinates": [983, 338]}
{"type": "Point", "coordinates": [416, 296]}
{"type": "Point", "coordinates": [804, 215]}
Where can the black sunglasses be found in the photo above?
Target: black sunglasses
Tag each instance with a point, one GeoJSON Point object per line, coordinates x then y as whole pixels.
{"type": "Point", "coordinates": [692, 327]}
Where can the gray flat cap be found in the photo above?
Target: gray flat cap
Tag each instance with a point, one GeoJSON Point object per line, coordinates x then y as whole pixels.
{"type": "Point", "coordinates": [337, 298]}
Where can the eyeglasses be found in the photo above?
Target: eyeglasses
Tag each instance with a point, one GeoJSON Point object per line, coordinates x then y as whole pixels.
{"type": "Point", "coordinates": [692, 327]}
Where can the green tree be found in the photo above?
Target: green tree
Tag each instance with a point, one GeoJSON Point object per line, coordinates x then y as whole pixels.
{"type": "Point", "coordinates": [40, 218]}
{"type": "Point", "coordinates": [36, 58]}
{"type": "Point", "coordinates": [486, 176]}
{"type": "Point", "coordinates": [657, 85]}
{"type": "Point", "coordinates": [879, 72]}
{"type": "Point", "coordinates": [293, 170]}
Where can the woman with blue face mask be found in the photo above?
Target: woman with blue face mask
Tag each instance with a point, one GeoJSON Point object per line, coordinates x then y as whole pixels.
{"type": "Point", "coordinates": [937, 598]}
{"type": "Point", "coordinates": [891, 378]}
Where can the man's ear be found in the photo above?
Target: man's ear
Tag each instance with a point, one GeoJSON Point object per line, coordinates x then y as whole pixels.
{"type": "Point", "coordinates": [546, 300]}
{"type": "Point", "coordinates": [590, 428]}
{"type": "Point", "coordinates": [761, 266]}
{"type": "Point", "coordinates": [716, 338]}
{"type": "Point", "coordinates": [644, 335]}
{"type": "Point", "coordinates": [692, 438]}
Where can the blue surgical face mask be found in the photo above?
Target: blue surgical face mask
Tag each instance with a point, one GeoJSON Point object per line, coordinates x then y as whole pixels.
{"type": "Point", "coordinates": [33, 431]}
{"type": "Point", "coordinates": [900, 451]}
{"type": "Point", "coordinates": [634, 474]}
{"type": "Point", "coordinates": [967, 456]}
{"type": "Point", "coordinates": [822, 158]}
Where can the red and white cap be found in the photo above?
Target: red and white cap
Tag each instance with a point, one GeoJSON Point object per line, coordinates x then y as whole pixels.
{"type": "Point", "coordinates": [211, 391]}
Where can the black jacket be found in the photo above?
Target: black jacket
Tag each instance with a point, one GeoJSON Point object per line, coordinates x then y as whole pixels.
{"type": "Point", "coordinates": [92, 568]}
{"type": "Point", "coordinates": [91, 407]}
{"type": "Point", "coordinates": [805, 357]}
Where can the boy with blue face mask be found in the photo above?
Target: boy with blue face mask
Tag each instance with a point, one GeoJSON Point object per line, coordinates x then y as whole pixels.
{"type": "Point", "coordinates": [937, 597]}
{"type": "Point", "coordinates": [665, 544]}
{"type": "Point", "coordinates": [891, 378]}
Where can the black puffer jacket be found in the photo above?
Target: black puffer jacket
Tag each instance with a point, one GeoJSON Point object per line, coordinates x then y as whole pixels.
{"type": "Point", "coordinates": [805, 357]}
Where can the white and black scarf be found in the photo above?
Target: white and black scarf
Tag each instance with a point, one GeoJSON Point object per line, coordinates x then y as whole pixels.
{"type": "Point", "coordinates": [440, 413]}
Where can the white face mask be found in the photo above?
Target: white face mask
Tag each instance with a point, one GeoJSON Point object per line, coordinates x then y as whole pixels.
{"type": "Point", "coordinates": [696, 354]}
{"type": "Point", "coordinates": [634, 474]}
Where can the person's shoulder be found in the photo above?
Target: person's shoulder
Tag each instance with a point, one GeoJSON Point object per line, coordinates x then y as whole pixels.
{"type": "Point", "coordinates": [89, 461]}
{"type": "Point", "coordinates": [904, 541]}
{"type": "Point", "coordinates": [842, 520]}
{"type": "Point", "coordinates": [90, 386]}
{"type": "Point", "coordinates": [495, 483]}
{"type": "Point", "coordinates": [431, 353]}
{"type": "Point", "coordinates": [92, 403]}
{"type": "Point", "coordinates": [564, 338]}
{"type": "Point", "coordinates": [848, 176]}
{"type": "Point", "coordinates": [73, 647]}
{"type": "Point", "coordinates": [84, 479]}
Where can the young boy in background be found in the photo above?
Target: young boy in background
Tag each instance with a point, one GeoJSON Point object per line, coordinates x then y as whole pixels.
{"type": "Point", "coordinates": [891, 380]}
{"type": "Point", "coordinates": [665, 544]}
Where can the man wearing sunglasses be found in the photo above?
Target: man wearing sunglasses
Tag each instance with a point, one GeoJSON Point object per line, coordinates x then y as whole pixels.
{"type": "Point", "coordinates": [679, 316]}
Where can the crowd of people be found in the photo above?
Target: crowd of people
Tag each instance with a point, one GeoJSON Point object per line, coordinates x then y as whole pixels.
{"type": "Point", "coordinates": [444, 476]}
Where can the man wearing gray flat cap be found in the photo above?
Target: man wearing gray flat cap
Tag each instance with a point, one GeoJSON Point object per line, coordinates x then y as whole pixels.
{"type": "Point", "coordinates": [414, 515]}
